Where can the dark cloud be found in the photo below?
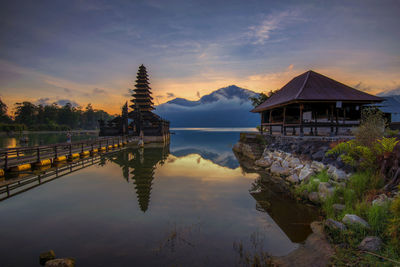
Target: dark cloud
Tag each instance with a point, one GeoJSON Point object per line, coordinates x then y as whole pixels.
{"type": "Point", "coordinates": [99, 91]}
{"type": "Point", "coordinates": [198, 94]}
{"type": "Point", "coordinates": [170, 95]}
{"type": "Point", "coordinates": [43, 101]}
{"type": "Point", "coordinates": [67, 90]}
{"type": "Point", "coordinates": [63, 102]}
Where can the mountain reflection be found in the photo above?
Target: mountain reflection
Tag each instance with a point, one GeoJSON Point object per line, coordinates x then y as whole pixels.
{"type": "Point", "coordinates": [139, 164]}
{"type": "Point", "coordinates": [225, 159]}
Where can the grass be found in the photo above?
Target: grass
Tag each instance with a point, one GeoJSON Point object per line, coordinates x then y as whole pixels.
{"type": "Point", "coordinates": [312, 184]}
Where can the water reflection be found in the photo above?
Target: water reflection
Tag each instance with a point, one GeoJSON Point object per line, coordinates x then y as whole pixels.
{"type": "Point", "coordinates": [138, 165]}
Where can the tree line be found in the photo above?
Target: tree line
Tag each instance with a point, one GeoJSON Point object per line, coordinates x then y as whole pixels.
{"type": "Point", "coordinates": [28, 116]}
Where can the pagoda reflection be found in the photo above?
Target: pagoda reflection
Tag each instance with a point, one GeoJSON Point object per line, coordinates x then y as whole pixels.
{"type": "Point", "coordinates": [139, 165]}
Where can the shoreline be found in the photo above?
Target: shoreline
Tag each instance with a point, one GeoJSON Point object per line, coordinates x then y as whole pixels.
{"type": "Point", "coordinates": [7, 134]}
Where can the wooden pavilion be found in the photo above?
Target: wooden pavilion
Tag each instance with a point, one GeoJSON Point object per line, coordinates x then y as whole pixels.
{"type": "Point", "coordinates": [315, 104]}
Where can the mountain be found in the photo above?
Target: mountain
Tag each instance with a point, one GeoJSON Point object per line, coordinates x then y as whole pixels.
{"type": "Point", "coordinates": [226, 107]}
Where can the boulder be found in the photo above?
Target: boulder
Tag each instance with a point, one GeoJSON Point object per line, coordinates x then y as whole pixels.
{"type": "Point", "coordinates": [285, 164]}
{"type": "Point", "coordinates": [46, 256]}
{"type": "Point", "coordinates": [338, 207]}
{"type": "Point", "coordinates": [305, 173]}
{"type": "Point", "coordinates": [319, 155]}
{"type": "Point", "coordinates": [313, 197]}
{"type": "Point", "coordinates": [294, 178]}
{"type": "Point", "coordinates": [294, 162]}
{"type": "Point", "coordinates": [325, 190]}
{"type": "Point", "coordinates": [370, 243]}
{"type": "Point", "coordinates": [335, 225]}
{"type": "Point", "coordinates": [352, 219]}
{"type": "Point", "coordinates": [66, 262]}
{"type": "Point", "coordinates": [276, 168]}
{"type": "Point", "coordinates": [263, 162]}
{"type": "Point", "coordinates": [339, 175]}
{"type": "Point", "coordinates": [237, 147]}
{"type": "Point", "coordinates": [317, 166]}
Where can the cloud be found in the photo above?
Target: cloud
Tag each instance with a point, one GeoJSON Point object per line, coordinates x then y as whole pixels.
{"type": "Point", "coordinates": [198, 94]}
{"type": "Point", "coordinates": [67, 90]}
{"type": "Point", "coordinates": [43, 101]}
{"type": "Point", "coordinates": [63, 102]}
{"type": "Point", "coordinates": [262, 32]}
{"type": "Point", "coordinates": [170, 95]}
{"type": "Point", "coordinates": [99, 91]}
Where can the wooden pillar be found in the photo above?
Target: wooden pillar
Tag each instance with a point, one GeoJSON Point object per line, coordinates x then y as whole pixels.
{"type": "Point", "coordinates": [262, 121]}
{"type": "Point", "coordinates": [331, 116]}
{"type": "Point", "coordinates": [284, 121]}
{"type": "Point", "coordinates": [316, 122]}
{"type": "Point", "coordinates": [301, 120]}
{"type": "Point", "coordinates": [311, 128]}
{"type": "Point", "coordinates": [337, 121]}
{"type": "Point", "coordinates": [270, 121]}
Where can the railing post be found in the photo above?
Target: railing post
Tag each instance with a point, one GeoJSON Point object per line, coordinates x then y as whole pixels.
{"type": "Point", "coordinates": [6, 161]}
{"type": "Point", "coordinates": [38, 154]}
{"type": "Point", "coordinates": [82, 147]}
{"type": "Point", "coordinates": [55, 152]}
{"type": "Point", "coordinates": [70, 149]}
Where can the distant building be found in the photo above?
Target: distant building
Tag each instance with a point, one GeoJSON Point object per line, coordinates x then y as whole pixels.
{"type": "Point", "coordinates": [313, 104]}
{"type": "Point", "coordinates": [141, 121]}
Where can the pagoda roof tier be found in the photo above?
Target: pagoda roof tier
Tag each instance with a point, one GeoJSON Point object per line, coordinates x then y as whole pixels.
{"type": "Point", "coordinates": [142, 91]}
{"type": "Point", "coordinates": [141, 96]}
{"type": "Point", "coordinates": [142, 85]}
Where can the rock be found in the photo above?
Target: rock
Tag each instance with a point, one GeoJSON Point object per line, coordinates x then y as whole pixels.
{"type": "Point", "coordinates": [338, 207]}
{"type": "Point", "coordinates": [352, 219]}
{"type": "Point", "coordinates": [317, 166]}
{"type": "Point", "coordinates": [370, 243]}
{"type": "Point", "coordinates": [46, 256]}
{"type": "Point", "coordinates": [335, 225]}
{"type": "Point", "coordinates": [313, 197]}
{"type": "Point", "coordinates": [237, 147]}
{"type": "Point", "coordinates": [67, 262]}
{"type": "Point", "coordinates": [339, 175]}
{"type": "Point", "coordinates": [276, 168]}
{"type": "Point", "coordinates": [305, 173]}
{"type": "Point", "coordinates": [294, 162]}
{"type": "Point", "coordinates": [263, 162]}
{"type": "Point", "coordinates": [380, 200]}
{"type": "Point", "coordinates": [319, 155]}
{"type": "Point", "coordinates": [325, 190]}
{"type": "Point", "coordinates": [285, 164]}
{"type": "Point", "coordinates": [294, 178]}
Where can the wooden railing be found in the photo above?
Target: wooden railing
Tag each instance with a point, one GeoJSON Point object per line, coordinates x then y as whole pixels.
{"type": "Point", "coordinates": [11, 157]}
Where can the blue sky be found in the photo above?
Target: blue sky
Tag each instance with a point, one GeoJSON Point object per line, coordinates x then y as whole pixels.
{"type": "Point", "coordinates": [89, 51]}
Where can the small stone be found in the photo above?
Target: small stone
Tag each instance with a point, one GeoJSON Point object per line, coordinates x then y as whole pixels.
{"type": "Point", "coordinates": [370, 243]}
{"type": "Point", "coordinates": [46, 256]}
{"type": "Point", "coordinates": [65, 262]}
{"type": "Point", "coordinates": [294, 178]}
{"type": "Point", "coordinates": [353, 219]}
{"type": "Point", "coordinates": [319, 155]}
{"type": "Point", "coordinates": [294, 162]}
{"type": "Point", "coordinates": [380, 200]}
{"type": "Point", "coordinates": [338, 207]}
{"type": "Point", "coordinates": [285, 164]}
{"type": "Point", "coordinates": [313, 197]}
{"type": "Point", "coordinates": [335, 225]}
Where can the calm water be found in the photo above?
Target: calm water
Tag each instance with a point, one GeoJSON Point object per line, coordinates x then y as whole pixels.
{"type": "Point", "coordinates": [182, 205]}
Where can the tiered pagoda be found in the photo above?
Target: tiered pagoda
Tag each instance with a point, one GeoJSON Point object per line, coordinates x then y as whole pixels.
{"type": "Point", "coordinates": [140, 121]}
{"type": "Point", "coordinates": [145, 122]}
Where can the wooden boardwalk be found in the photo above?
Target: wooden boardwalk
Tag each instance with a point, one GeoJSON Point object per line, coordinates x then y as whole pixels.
{"type": "Point", "coordinates": [41, 155]}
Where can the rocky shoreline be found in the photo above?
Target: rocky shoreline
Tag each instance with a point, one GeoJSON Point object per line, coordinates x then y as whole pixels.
{"type": "Point", "coordinates": [295, 168]}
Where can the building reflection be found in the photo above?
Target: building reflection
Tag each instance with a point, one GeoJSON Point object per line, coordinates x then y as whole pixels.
{"type": "Point", "coordinates": [138, 165]}
{"type": "Point", "coordinates": [272, 196]}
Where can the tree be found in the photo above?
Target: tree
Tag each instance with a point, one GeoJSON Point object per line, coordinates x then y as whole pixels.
{"type": "Point", "coordinates": [260, 98]}
{"type": "Point", "coordinates": [3, 113]}
{"type": "Point", "coordinates": [26, 113]}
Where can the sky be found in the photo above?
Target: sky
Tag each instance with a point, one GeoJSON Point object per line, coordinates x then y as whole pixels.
{"type": "Point", "coordinates": [89, 51]}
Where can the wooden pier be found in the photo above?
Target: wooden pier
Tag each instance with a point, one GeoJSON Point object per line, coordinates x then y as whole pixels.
{"type": "Point", "coordinates": [23, 158]}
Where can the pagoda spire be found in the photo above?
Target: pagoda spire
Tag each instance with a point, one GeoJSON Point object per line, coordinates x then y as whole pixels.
{"type": "Point", "coordinates": [142, 99]}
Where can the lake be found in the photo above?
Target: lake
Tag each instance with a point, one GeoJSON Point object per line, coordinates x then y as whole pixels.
{"type": "Point", "coordinates": [184, 204]}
